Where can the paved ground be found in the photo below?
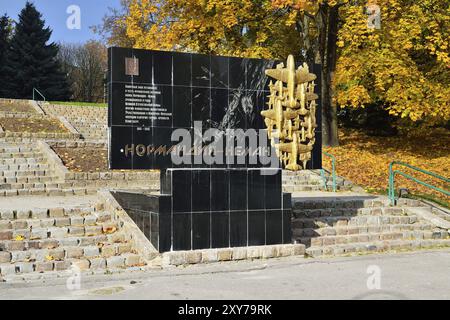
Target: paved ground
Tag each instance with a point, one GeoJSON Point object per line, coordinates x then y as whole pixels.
{"type": "Point", "coordinates": [422, 275]}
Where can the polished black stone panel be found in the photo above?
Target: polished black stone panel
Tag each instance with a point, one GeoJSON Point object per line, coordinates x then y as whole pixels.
{"type": "Point", "coordinates": [220, 190]}
{"type": "Point", "coordinates": [273, 191]}
{"type": "Point", "coordinates": [200, 209]}
{"type": "Point", "coordinates": [182, 190]}
{"type": "Point", "coordinates": [201, 230]}
{"type": "Point", "coordinates": [256, 191]}
{"type": "Point", "coordinates": [238, 189]}
{"type": "Point", "coordinates": [182, 228]}
{"type": "Point", "coordinates": [182, 69]}
{"type": "Point", "coordinates": [201, 71]}
{"type": "Point", "coordinates": [165, 233]}
{"type": "Point", "coordinates": [152, 214]}
{"type": "Point", "coordinates": [219, 72]}
{"type": "Point", "coordinates": [182, 104]}
{"type": "Point", "coordinates": [219, 106]}
{"type": "Point", "coordinates": [256, 227]}
{"type": "Point", "coordinates": [220, 229]}
{"type": "Point", "coordinates": [201, 106]}
{"type": "Point", "coordinates": [237, 71]}
{"type": "Point", "coordinates": [238, 228]}
{"type": "Point", "coordinates": [201, 190]}
{"type": "Point", "coordinates": [162, 68]}
{"type": "Point", "coordinates": [156, 89]}
{"type": "Point", "coordinates": [274, 227]}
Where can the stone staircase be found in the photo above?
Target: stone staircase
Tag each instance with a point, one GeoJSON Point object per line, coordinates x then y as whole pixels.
{"type": "Point", "coordinates": [351, 226]}
{"type": "Point", "coordinates": [24, 170]}
{"type": "Point", "coordinates": [90, 129]}
{"type": "Point", "coordinates": [39, 241]}
{"type": "Point", "coordinates": [311, 180]}
{"type": "Point", "coordinates": [90, 122]}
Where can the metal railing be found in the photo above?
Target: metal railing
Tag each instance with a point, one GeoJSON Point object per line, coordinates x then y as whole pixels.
{"type": "Point", "coordinates": [333, 172]}
{"type": "Point", "coordinates": [38, 92]}
{"type": "Point", "coordinates": [393, 173]}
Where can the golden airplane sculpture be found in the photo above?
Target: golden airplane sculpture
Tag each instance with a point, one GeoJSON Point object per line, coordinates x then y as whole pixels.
{"type": "Point", "coordinates": [291, 117]}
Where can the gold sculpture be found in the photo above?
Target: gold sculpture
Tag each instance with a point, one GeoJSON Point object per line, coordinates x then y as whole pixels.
{"type": "Point", "coordinates": [291, 117]}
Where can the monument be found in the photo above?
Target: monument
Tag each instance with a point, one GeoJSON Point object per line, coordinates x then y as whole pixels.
{"type": "Point", "coordinates": [198, 119]}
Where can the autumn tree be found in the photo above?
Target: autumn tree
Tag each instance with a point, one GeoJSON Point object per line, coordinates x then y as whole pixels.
{"type": "Point", "coordinates": [402, 67]}
{"type": "Point", "coordinates": [86, 66]}
{"type": "Point", "coordinates": [113, 28]}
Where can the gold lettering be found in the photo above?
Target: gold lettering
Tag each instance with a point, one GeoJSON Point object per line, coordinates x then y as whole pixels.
{"type": "Point", "coordinates": [129, 149]}
{"type": "Point", "coordinates": [140, 150]}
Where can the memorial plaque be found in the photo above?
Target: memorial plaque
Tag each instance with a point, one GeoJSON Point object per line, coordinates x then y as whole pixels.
{"type": "Point", "coordinates": [154, 93]}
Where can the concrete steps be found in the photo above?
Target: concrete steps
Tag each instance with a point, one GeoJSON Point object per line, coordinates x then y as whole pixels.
{"type": "Point", "coordinates": [341, 226]}
{"type": "Point", "coordinates": [57, 239]}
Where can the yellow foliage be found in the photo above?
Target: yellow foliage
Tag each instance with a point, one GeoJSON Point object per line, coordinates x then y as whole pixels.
{"type": "Point", "coordinates": [365, 160]}
{"type": "Point", "coordinates": [405, 65]}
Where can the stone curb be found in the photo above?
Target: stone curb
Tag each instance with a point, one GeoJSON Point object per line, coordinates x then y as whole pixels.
{"type": "Point", "coordinates": [180, 258]}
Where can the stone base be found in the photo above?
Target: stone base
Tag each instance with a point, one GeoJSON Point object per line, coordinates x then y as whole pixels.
{"type": "Point", "coordinates": [179, 258]}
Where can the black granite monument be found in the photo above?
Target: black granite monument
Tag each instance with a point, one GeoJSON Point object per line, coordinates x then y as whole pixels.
{"type": "Point", "coordinates": [202, 205]}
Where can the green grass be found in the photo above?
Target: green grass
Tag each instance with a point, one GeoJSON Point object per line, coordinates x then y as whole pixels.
{"type": "Point", "coordinates": [80, 104]}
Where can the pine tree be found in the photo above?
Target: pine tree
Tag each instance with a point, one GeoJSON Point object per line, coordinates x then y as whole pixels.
{"type": "Point", "coordinates": [31, 62]}
{"type": "Point", "coordinates": [5, 31]}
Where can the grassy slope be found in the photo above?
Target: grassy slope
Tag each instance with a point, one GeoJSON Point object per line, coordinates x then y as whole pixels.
{"type": "Point", "coordinates": [80, 104]}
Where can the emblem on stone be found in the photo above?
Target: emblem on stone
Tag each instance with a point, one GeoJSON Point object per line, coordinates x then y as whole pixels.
{"type": "Point", "coordinates": [132, 67]}
{"type": "Point", "coordinates": [291, 116]}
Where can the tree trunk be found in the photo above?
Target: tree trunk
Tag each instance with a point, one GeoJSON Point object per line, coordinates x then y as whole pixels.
{"type": "Point", "coordinates": [327, 22]}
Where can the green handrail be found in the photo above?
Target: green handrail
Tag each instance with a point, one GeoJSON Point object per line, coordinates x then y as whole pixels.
{"type": "Point", "coordinates": [333, 172]}
{"type": "Point", "coordinates": [392, 173]}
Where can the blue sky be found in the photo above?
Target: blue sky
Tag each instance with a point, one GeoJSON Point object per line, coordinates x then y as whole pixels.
{"type": "Point", "coordinates": [55, 16]}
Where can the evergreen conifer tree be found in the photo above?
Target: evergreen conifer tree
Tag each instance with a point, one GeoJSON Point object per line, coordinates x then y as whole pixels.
{"type": "Point", "coordinates": [5, 31]}
{"type": "Point", "coordinates": [31, 62]}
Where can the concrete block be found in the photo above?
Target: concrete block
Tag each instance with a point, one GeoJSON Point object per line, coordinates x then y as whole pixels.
{"type": "Point", "coordinates": [23, 214]}
{"type": "Point", "coordinates": [5, 257]}
{"type": "Point", "coordinates": [92, 251]}
{"type": "Point", "coordinates": [193, 257]}
{"type": "Point", "coordinates": [115, 262]}
{"type": "Point", "coordinates": [239, 253]}
{"type": "Point", "coordinates": [209, 256]}
{"type": "Point", "coordinates": [56, 212]}
{"type": "Point", "coordinates": [74, 252]}
{"type": "Point", "coordinates": [7, 269]}
{"type": "Point", "coordinates": [45, 266]}
{"type": "Point", "coordinates": [24, 267]}
{"type": "Point", "coordinates": [133, 260]}
{"type": "Point", "coordinates": [108, 251]}
{"type": "Point", "coordinates": [97, 263]}
{"type": "Point", "coordinates": [224, 254]}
